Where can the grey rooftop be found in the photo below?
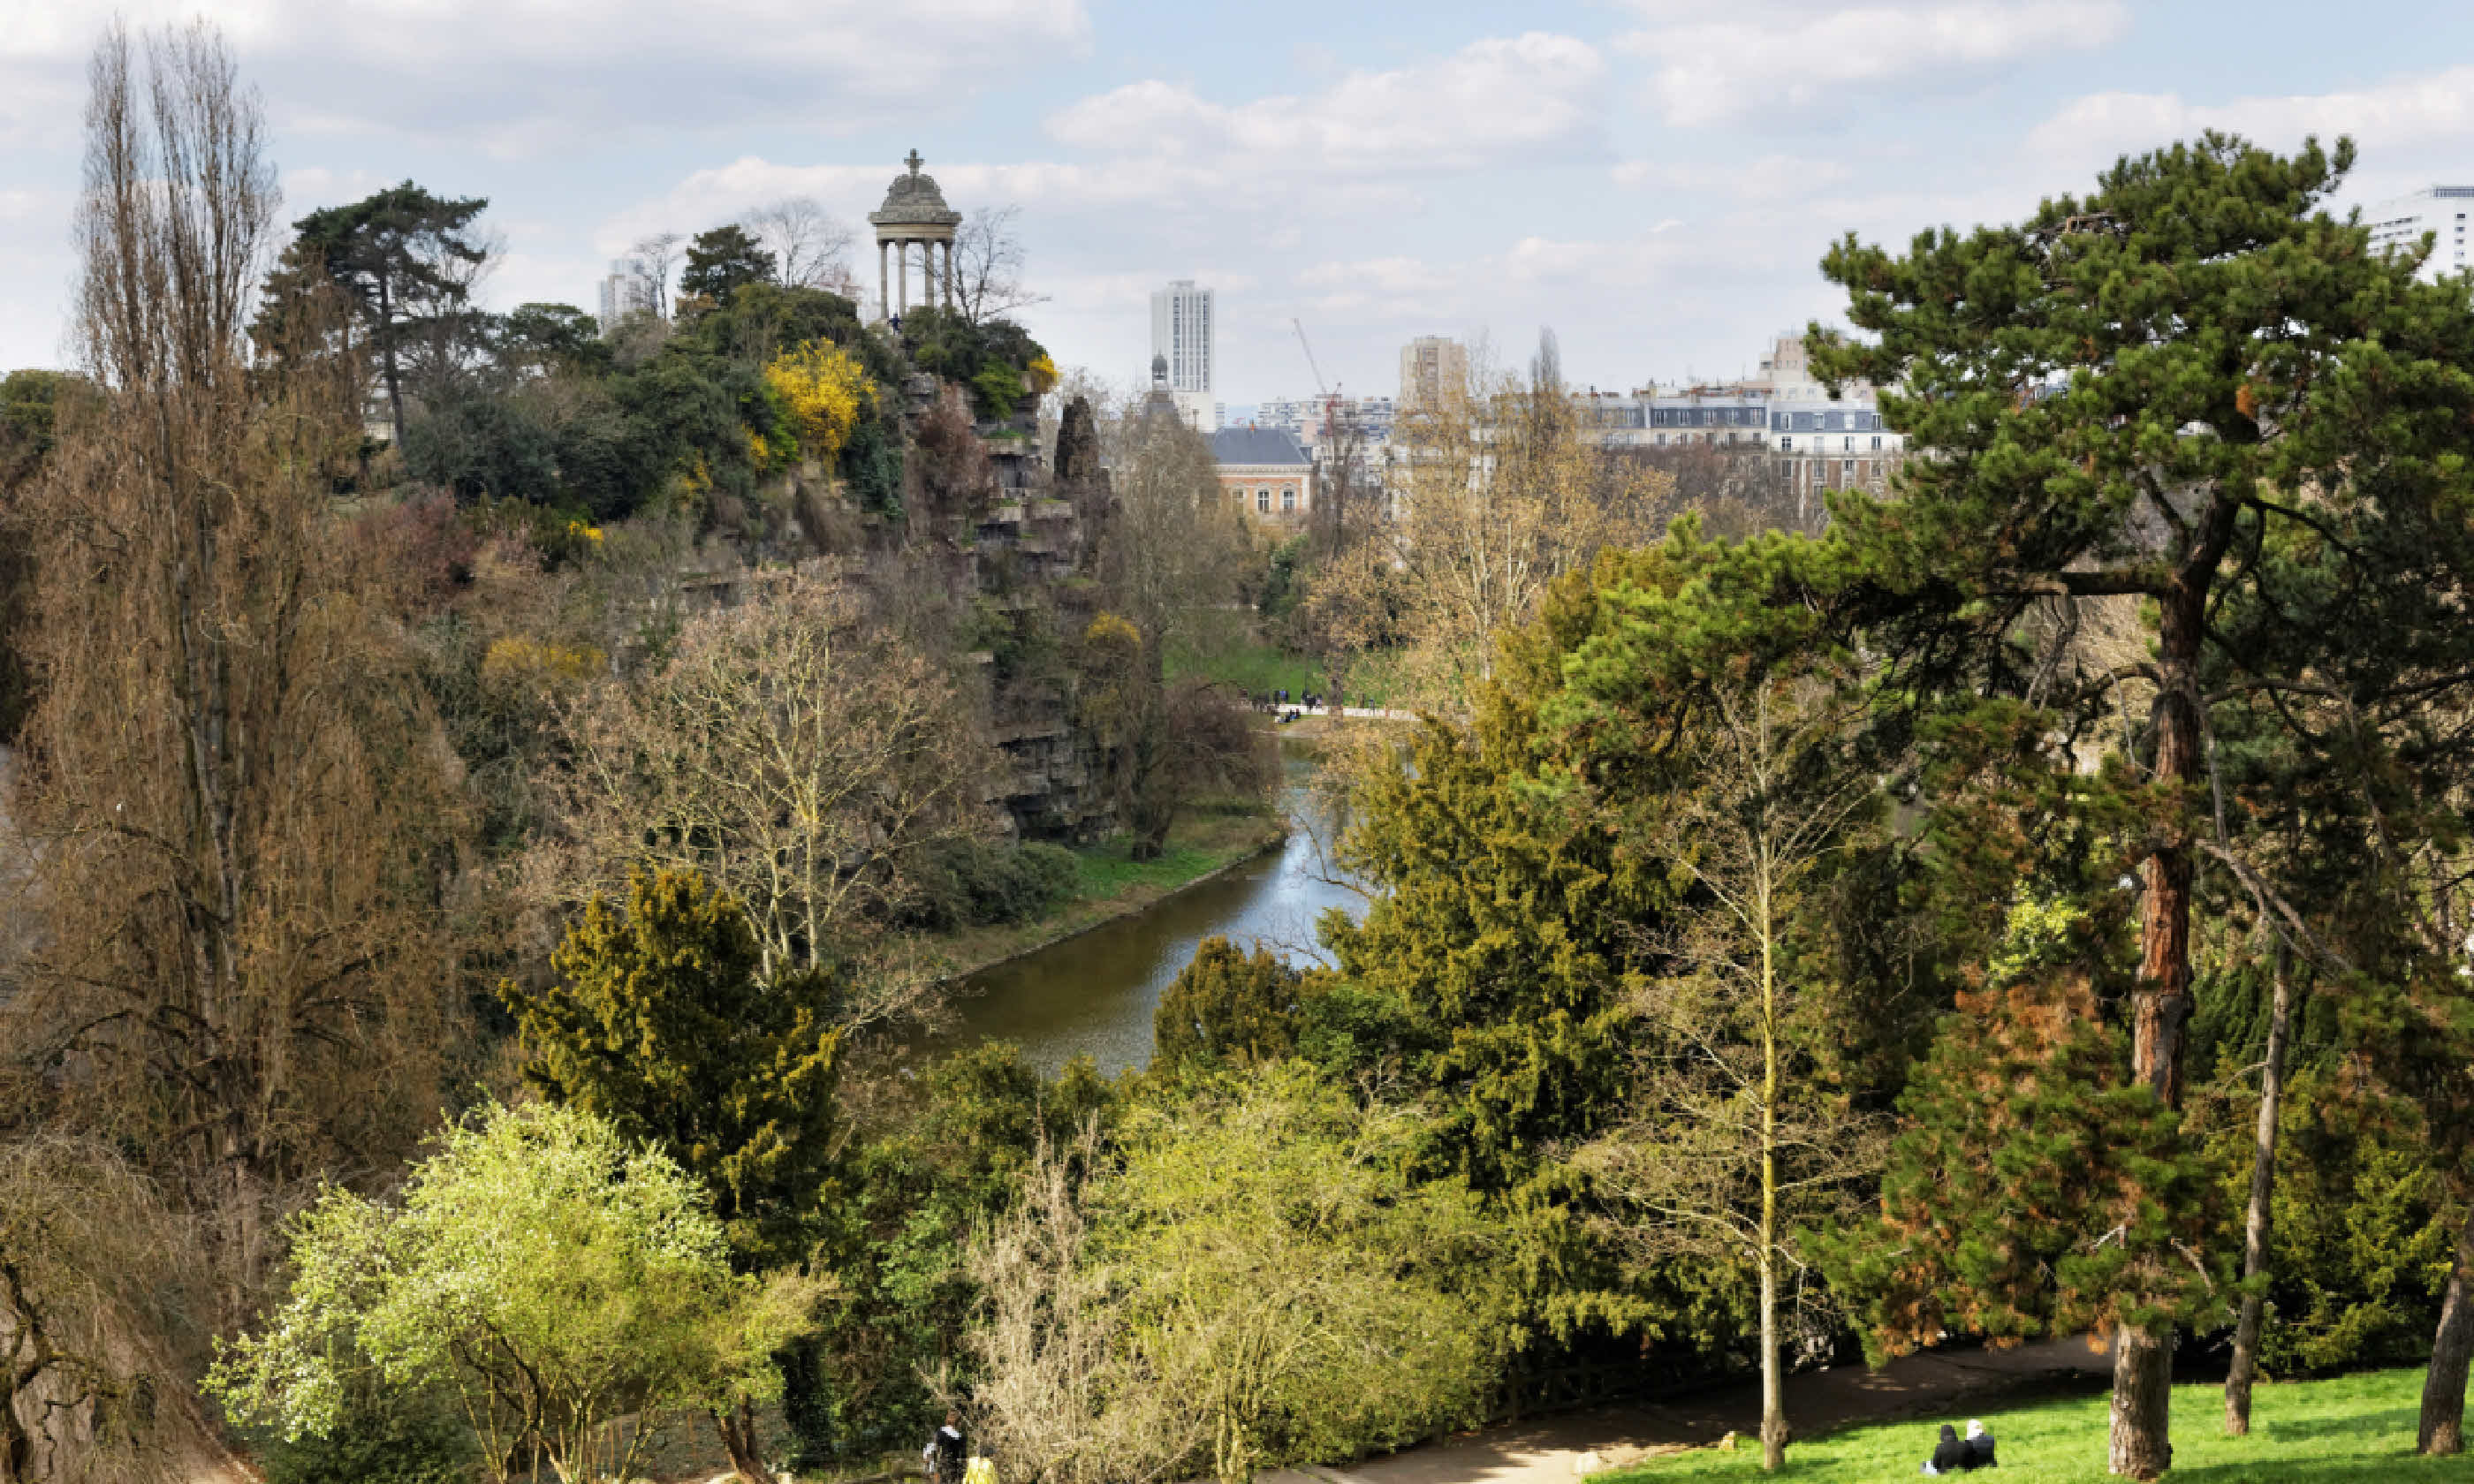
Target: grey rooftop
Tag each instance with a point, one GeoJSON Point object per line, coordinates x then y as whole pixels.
{"type": "Point", "coordinates": [1259, 446]}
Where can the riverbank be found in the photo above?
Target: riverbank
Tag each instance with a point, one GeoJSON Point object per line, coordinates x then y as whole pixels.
{"type": "Point", "coordinates": [1109, 885]}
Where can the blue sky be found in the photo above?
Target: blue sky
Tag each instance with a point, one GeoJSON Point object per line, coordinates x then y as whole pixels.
{"type": "Point", "coordinates": [1653, 180]}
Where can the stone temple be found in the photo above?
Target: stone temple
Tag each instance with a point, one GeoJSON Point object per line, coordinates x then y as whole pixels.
{"type": "Point", "coordinates": [914, 215]}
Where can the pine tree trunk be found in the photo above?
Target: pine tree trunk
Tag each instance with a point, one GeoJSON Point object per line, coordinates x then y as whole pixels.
{"type": "Point", "coordinates": [2142, 1394]}
{"type": "Point", "coordinates": [2442, 1428]}
{"type": "Point", "coordinates": [2142, 1363]}
{"type": "Point", "coordinates": [2255, 1222]}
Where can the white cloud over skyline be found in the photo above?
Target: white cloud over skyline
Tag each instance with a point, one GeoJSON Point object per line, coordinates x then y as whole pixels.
{"type": "Point", "coordinates": [1657, 180]}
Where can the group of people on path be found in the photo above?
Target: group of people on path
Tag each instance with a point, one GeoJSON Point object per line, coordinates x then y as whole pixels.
{"type": "Point", "coordinates": [1955, 1454]}
{"type": "Point", "coordinates": [949, 1460]}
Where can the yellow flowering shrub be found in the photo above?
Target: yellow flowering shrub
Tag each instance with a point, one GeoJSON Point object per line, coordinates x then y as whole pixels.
{"type": "Point", "coordinates": [824, 391]}
{"type": "Point", "coordinates": [1042, 373]}
{"type": "Point", "coordinates": [516, 658]}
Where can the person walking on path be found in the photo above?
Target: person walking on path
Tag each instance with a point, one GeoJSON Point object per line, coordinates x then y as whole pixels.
{"type": "Point", "coordinates": [946, 1454]}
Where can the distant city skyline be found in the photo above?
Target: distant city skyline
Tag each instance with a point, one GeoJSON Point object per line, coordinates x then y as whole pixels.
{"type": "Point", "coordinates": [1657, 185]}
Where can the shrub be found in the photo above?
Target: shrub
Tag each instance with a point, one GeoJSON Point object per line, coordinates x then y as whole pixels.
{"type": "Point", "coordinates": [377, 1440]}
{"type": "Point", "coordinates": [971, 883]}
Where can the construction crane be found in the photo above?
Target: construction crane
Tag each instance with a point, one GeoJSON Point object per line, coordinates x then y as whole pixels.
{"type": "Point", "coordinates": [1310, 360]}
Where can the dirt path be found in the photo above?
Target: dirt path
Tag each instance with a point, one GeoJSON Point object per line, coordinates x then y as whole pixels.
{"type": "Point", "coordinates": [1545, 1452]}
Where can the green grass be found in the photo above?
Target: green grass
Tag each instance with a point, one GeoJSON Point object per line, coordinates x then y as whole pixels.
{"type": "Point", "coordinates": [1107, 870]}
{"type": "Point", "coordinates": [2357, 1427]}
{"type": "Point", "coordinates": [1231, 649]}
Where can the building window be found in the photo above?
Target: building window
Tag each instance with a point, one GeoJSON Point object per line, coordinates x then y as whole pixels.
{"type": "Point", "coordinates": [1786, 444]}
{"type": "Point", "coordinates": [1877, 439]}
{"type": "Point", "coordinates": [1847, 466]}
{"type": "Point", "coordinates": [1263, 501]}
{"type": "Point", "coordinates": [1288, 500]}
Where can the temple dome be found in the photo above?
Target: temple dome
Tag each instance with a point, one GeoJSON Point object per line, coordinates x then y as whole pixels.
{"type": "Point", "coordinates": [914, 200]}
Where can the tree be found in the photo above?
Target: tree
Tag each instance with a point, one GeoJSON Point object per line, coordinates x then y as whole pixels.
{"type": "Point", "coordinates": [1163, 743]}
{"type": "Point", "coordinates": [659, 1023]}
{"type": "Point", "coordinates": [1230, 1008]}
{"type": "Point", "coordinates": [1058, 1395]}
{"type": "Point", "coordinates": [234, 830]}
{"type": "Point", "coordinates": [659, 1026]}
{"type": "Point", "coordinates": [407, 259]}
{"type": "Point", "coordinates": [810, 250]}
{"type": "Point", "coordinates": [92, 1265]}
{"type": "Point", "coordinates": [551, 1275]}
{"type": "Point", "coordinates": [802, 757]}
{"type": "Point", "coordinates": [1497, 497]}
{"type": "Point", "coordinates": [2034, 1187]}
{"type": "Point", "coordinates": [2140, 392]}
{"type": "Point", "coordinates": [724, 260]}
{"type": "Point", "coordinates": [1171, 550]}
{"type": "Point", "coordinates": [1278, 1282]}
{"type": "Point", "coordinates": [538, 340]}
{"type": "Point", "coordinates": [989, 260]}
{"type": "Point", "coordinates": [32, 404]}
{"type": "Point", "coordinates": [2259, 1211]}
{"type": "Point", "coordinates": [652, 257]}
{"type": "Point", "coordinates": [1737, 1135]}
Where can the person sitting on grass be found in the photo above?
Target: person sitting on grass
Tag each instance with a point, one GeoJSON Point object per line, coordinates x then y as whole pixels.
{"type": "Point", "coordinates": [1950, 1454]}
{"type": "Point", "coordinates": [1980, 1446]}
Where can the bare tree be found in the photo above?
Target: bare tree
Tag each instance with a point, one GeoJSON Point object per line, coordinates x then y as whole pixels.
{"type": "Point", "coordinates": [988, 261]}
{"type": "Point", "coordinates": [90, 1260]}
{"type": "Point", "coordinates": [1733, 1139]}
{"type": "Point", "coordinates": [795, 751]}
{"type": "Point", "coordinates": [1496, 495]}
{"type": "Point", "coordinates": [810, 249]}
{"type": "Point", "coordinates": [1061, 1395]}
{"type": "Point", "coordinates": [653, 256]}
{"type": "Point", "coordinates": [234, 826]}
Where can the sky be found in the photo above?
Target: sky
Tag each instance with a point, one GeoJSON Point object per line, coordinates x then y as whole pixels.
{"type": "Point", "coordinates": [1654, 180]}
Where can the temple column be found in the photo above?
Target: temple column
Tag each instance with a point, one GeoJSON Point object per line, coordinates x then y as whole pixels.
{"type": "Point", "coordinates": [883, 298]}
{"type": "Point", "coordinates": [901, 276]}
{"type": "Point", "coordinates": [949, 272]}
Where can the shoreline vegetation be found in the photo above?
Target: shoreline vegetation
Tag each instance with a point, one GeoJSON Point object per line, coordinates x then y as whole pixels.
{"type": "Point", "coordinates": [1109, 885]}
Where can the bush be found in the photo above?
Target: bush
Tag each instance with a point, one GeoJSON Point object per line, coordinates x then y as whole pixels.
{"type": "Point", "coordinates": [973, 883]}
{"type": "Point", "coordinates": [412, 1440]}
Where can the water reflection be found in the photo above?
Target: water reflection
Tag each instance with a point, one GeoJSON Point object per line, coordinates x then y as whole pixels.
{"type": "Point", "coordinates": [1093, 995]}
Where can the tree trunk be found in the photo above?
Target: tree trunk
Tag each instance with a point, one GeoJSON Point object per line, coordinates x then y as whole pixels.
{"type": "Point", "coordinates": [386, 357]}
{"type": "Point", "coordinates": [2443, 1428]}
{"type": "Point", "coordinates": [736, 1426]}
{"type": "Point", "coordinates": [2143, 1394]}
{"type": "Point", "coordinates": [1773, 1403]}
{"type": "Point", "coordinates": [2143, 1365]}
{"type": "Point", "coordinates": [2255, 1222]}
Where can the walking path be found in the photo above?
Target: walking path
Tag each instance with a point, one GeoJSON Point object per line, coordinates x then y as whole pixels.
{"type": "Point", "coordinates": [1550, 1450]}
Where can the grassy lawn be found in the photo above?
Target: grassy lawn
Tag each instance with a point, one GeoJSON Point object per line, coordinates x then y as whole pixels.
{"type": "Point", "coordinates": [2353, 1428]}
{"type": "Point", "coordinates": [1229, 648]}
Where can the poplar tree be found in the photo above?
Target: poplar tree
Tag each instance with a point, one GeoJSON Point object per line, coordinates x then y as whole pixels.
{"type": "Point", "coordinates": [2197, 389]}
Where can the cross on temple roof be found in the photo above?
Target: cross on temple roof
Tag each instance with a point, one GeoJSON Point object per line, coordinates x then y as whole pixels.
{"type": "Point", "coordinates": [914, 161]}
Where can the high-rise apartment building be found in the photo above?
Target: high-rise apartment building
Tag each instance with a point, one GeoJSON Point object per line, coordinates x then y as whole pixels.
{"type": "Point", "coordinates": [1430, 365]}
{"type": "Point", "coordinates": [2440, 210]}
{"type": "Point", "coordinates": [627, 290]}
{"type": "Point", "coordinates": [1181, 331]}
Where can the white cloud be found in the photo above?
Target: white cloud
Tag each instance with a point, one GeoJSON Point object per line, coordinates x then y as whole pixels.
{"type": "Point", "coordinates": [1774, 56]}
{"type": "Point", "coordinates": [525, 77]}
{"type": "Point", "coordinates": [1495, 99]}
{"type": "Point", "coordinates": [2421, 122]}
